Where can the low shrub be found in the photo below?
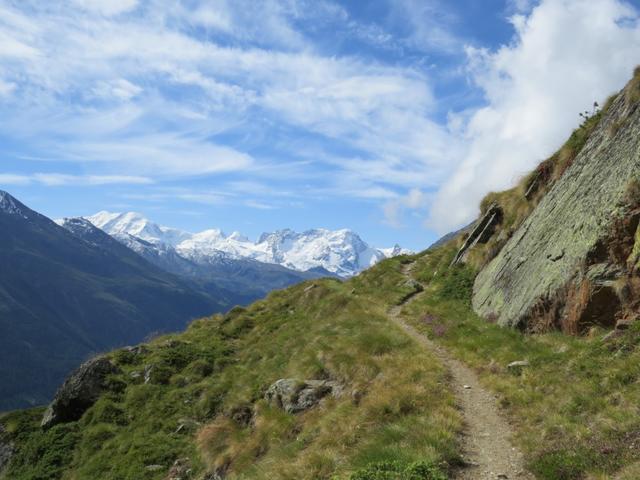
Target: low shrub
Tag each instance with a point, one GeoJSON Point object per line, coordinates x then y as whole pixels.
{"type": "Point", "coordinates": [399, 471]}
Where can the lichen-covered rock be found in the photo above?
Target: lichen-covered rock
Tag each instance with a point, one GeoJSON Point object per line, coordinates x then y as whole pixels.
{"type": "Point", "coordinates": [295, 396]}
{"type": "Point", "coordinates": [550, 255]}
{"type": "Point", "coordinates": [79, 391]}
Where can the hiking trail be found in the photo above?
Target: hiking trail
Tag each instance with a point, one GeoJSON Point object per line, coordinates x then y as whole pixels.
{"type": "Point", "coordinates": [487, 449]}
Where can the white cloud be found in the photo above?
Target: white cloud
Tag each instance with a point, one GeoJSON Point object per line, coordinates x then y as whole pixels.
{"type": "Point", "coordinates": [258, 205]}
{"type": "Point", "coordinates": [12, 179]}
{"type": "Point", "coordinates": [63, 179]}
{"type": "Point", "coordinates": [134, 64]}
{"type": "Point", "coordinates": [215, 15]}
{"type": "Point", "coordinates": [107, 7]}
{"type": "Point", "coordinates": [566, 55]}
{"type": "Point", "coordinates": [203, 197]}
{"type": "Point", "coordinates": [119, 88]}
{"type": "Point", "coordinates": [393, 210]}
{"type": "Point", "coordinates": [60, 179]}
{"type": "Point", "coordinates": [6, 88]}
{"type": "Point", "coordinates": [431, 24]}
{"type": "Point", "coordinates": [520, 6]}
{"type": "Point", "coordinates": [160, 155]}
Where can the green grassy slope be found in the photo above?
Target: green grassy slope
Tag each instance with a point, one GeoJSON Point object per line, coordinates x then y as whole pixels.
{"type": "Point", "coordinates": [574, 409]}
{"type": "Point", "coordinates": [395, 407]}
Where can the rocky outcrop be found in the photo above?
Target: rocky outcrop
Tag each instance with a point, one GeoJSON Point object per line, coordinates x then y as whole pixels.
{"type": "Point", "coordinates": [79, 391]}
{"type": "Point", "coordinates": [295, 396]}
{"type": "Point", "coordinates": [481, 232]}
{"type": "Point", "coordinates": [560, 267]}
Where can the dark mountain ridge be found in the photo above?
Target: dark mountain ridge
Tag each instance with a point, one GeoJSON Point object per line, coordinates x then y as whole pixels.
{"type": "Point", "coordinates": [66, 293]}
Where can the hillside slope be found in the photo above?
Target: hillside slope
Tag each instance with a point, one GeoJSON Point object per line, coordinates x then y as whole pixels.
{"type": "Point", "coordinates": [204, 396]}
{"type": "Point", "coordinates": [64, 297]}
{"type": "Point", "coordinates": [573, 403]}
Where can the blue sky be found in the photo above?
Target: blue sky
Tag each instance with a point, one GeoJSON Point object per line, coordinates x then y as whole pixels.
{"type": "Point", "coordinates": [390, 117]}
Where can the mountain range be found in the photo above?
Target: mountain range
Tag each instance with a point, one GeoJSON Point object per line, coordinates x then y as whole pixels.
{"type": "Point", "coordinates": [338, 252]}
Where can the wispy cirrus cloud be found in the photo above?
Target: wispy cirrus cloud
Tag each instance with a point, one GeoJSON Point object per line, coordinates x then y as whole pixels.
{"type": "Point", "coordinates": [105, 84]}
{"type": "Point", "coordinates": [264, 104]}
{"type": "Point", "coordinates": [63, 179]}
{"type": "Point", "coordinates": [431, 25]}
{"type": "Point", "coordinates": [109, 8]}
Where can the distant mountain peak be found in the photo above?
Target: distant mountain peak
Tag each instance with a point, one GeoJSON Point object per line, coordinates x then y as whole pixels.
{"type": "Point", "coordinates": [81, 227]}
{"type": "Point", "coordinates": [79, 222]}
{"type": "Point", "coordinates": [395, 251]}
{"type": "Point", "coordinates": [137, 225]}
{"type": "Point", "coordinates": [238, 236]}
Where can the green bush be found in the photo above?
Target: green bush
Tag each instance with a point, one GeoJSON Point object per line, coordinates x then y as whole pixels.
{"type": "Point", "coordinates": [457, 283]}
{"type": "Point", "coordinates": [562, 465]}
{"type": "Point", "coordinates": [45, 456]}
{"type": "Point", "coordinates": [178, 355]}
{"type": "Point", "coordinates": [199, 368]}
{"type": "Point", "coordinates": [106, 411]}
{"type": "Point", "coordinates": [399, 471]}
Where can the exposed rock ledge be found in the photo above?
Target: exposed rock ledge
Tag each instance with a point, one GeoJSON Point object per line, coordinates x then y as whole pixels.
{"type": "Point", "coordinates": [481, 232]}
{"type": "Point", "coordinates": [551, 252]}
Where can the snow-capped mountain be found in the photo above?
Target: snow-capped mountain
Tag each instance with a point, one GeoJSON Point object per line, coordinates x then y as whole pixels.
{"type": "Point", "coordinates": [341, 252]}
{"type": "Point", "coordinates": [136, 225]}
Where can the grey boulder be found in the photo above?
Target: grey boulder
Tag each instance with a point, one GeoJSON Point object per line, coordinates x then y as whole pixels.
{"type": "Point", "coordinates": [295, 396]}
{"type": "Point", "coordinates": [79, 392]}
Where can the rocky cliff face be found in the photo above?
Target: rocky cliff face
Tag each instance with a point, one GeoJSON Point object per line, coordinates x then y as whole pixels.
{"type": "Point", "coordinates": [569, 264]}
